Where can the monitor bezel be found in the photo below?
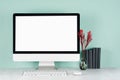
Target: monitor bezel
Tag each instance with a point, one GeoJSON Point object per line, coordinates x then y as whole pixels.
{"type": "Point", "coordinates": [45, 14]}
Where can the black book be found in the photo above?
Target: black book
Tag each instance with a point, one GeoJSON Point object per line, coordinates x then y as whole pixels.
{"type": "Point", "coordinates": [98, 51]}
{"type": "Point", "coordinates": [90, 58]}
{"type": "Point", "coordinates": [88, 65]}
{"type": "Point", "coordinates": [94, 58]}
{"type": "Point", "coordinates": [99, 55]}
{"type": "Point", "coordinates": [96, 62]}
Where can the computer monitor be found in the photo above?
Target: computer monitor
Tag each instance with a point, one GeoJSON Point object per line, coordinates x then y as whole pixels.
{"type": "Point", "coordinates": [46, 37]}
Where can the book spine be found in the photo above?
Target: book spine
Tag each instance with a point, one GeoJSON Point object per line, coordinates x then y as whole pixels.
{"type": "Point", "coordinates": [98, 51]}
{"type": "Point", "coordinates": [96, 62]}
{"type": "Point", "coordinates": [90, 58]}
{"type": "Point", "coordinates": [94, 58]}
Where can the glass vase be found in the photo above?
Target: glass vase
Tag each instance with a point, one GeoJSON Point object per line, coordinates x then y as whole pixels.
{"type": "Point", "coordinates": [83, 65]}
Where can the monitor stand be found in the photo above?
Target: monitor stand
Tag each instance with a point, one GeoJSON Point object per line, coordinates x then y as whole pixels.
{"type": "Point", "coordinates": [47, 65]}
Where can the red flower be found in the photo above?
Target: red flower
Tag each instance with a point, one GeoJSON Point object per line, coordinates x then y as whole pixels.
{"type": "Point", "coordinates": [82, 38]}
{"type": "Point", "coordinates": [81, 33]}
{"type": "Point", "coordinates": [84, 42]}
{"type": "Point", "coordinates": [89, 38]}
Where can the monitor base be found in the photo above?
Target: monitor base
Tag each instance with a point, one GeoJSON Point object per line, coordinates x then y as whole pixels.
{"type": "Point", "coordinates": [46, 65]}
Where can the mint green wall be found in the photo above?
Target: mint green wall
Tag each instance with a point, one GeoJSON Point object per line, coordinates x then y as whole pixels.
{"type": "Point", "coordinates": [102, 17]}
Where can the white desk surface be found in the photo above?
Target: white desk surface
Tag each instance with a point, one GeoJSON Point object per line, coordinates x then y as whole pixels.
{"type": "Point", "coordinates": [89, 74]}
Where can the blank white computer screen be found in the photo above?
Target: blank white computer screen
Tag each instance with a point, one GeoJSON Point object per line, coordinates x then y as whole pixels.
{"type": "Point", "coordinates": [46, 33]}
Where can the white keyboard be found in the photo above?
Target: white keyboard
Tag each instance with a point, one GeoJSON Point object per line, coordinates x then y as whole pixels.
{"type": "Point", "coordinates": [37, 75]}
{"type": "Point", "coordinates": [45, 73]}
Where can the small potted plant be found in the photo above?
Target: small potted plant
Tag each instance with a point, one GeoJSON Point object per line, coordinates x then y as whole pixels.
{"type": "Point", "coordinates": [84, 43]}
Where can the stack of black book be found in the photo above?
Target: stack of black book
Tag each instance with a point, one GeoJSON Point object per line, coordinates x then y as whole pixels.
{"type": "Point", "coordinates": [92, 58]}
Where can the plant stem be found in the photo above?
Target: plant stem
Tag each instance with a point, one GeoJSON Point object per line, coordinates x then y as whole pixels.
{"type": "Point", "coordinates": [83, 55]}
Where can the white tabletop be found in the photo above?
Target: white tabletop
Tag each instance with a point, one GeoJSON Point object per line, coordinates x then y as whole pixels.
{"type": "Point", "coordinates": [89, 74]}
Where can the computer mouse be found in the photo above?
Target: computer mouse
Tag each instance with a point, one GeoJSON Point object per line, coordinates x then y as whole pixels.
{"type": "Point", "coordinates": [78, 73]}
